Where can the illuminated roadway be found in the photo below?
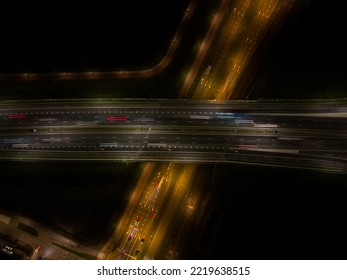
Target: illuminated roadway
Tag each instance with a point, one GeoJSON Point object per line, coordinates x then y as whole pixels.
{"type": "Point", "coordinates": [309, 134]}
{"type": "Point", "coordinates": [292, 134]}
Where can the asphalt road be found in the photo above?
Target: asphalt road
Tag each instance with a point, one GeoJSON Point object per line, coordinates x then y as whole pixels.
{"type": "Point", "coordinates": [309, 134]}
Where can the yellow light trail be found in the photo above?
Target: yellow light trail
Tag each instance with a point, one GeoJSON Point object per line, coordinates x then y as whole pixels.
{"type": "Point", "coordinates": [183, 180]}
{"type": "Point", "coordinates": [246, 23]}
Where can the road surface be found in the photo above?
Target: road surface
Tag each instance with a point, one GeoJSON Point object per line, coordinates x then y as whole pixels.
{"type": "Point", "coordinates": [307, 134]}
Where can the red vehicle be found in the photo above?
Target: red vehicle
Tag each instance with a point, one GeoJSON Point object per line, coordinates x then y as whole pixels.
{"type": "Point", "coordinates": [117, 118]}
{"type": "Point", "coordinates": [17, 116]}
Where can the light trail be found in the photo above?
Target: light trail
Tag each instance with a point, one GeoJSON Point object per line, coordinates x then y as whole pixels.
{"type": "Point", "coordinates": [245, 25]}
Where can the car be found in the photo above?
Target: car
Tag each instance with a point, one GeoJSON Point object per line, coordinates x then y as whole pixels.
{"type": "Point", "coordinates": [137, 252]}
{"type": "Point", "coordinates": [17, 116]}
{"type": "Point", "coordinates": [137, 221]}
{"type": "Point", "coordinates": [142, 239]}
{"type": "Point", "coordinates": [33, 130]}
{"type": "Point", "coordinates": [117, 118]}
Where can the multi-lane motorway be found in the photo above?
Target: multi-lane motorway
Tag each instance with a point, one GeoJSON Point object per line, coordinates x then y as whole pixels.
{"type": "Point", "coordinates": [306, 134]}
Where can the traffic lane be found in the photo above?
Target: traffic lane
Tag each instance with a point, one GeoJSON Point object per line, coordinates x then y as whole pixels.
{"type": "Point", "coordinates": [225, 120]}
{"type": "Point", "coordinates": [312, 125]}
{"type": "Point", "coordinates": [175, 108]}
{"type": "Point", "coordinates": [153, 140]}
{"type": "Point", "coordinates": [49, 106]}
{"type": "Point", "coordinates": [317, 160]}
{"type": "Point", "coordinates": [137, 234]}
{"type": "Point", "coordinates": [179, 140]}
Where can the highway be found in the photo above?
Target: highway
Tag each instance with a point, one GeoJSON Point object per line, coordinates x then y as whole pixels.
{"type": "Point", "coordinates": [231, 51]}
{"type": "Point", "coordinates": [151, 214]}
{"type": "Point", "coordinates": [297, 134]}
{"type": "Point", "coordinates": [306, 134]}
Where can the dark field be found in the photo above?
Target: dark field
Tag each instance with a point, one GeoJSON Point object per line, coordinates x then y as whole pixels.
{"type": "Point", "coordinates": [270, 213]}
{"type": "Point", "coordinates": [253, 212]}
{"type": "Point", "coordinates": [75, 199]}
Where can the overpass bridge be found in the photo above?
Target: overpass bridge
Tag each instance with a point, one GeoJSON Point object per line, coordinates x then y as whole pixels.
{"type": "Point", "coordinates": [291, 133]}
